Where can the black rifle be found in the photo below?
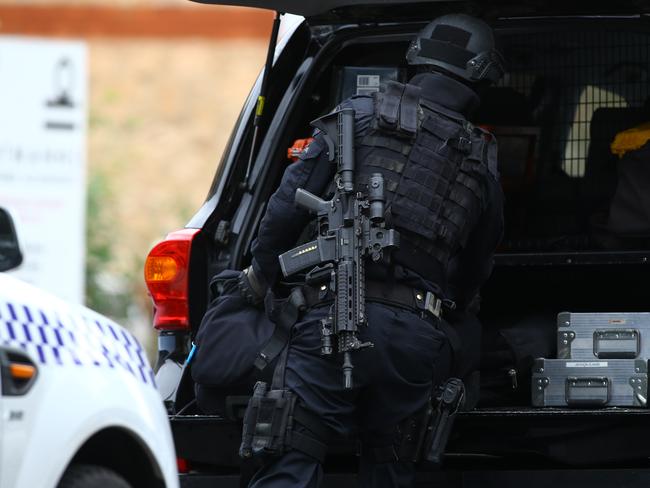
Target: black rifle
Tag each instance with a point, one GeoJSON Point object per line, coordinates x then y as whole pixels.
{"type": "Point", "coordinates": [351, 227]}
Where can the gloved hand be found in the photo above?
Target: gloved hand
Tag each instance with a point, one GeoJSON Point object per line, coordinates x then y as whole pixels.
{"type": "Point", "coordinates": [252, 287]}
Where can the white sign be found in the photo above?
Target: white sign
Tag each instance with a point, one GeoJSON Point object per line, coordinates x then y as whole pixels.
{"type": "Point", "coordinates": [43, 113]}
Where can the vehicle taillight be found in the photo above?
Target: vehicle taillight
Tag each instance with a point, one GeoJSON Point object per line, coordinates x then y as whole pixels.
{"type": "Point", "coordinates": [165, 273]}
{"type": "Point", "coordinates": [183, 465]}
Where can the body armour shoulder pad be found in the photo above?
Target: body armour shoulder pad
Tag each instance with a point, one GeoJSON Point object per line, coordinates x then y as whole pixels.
{"type": "Point", "coordinates": [397, 109]}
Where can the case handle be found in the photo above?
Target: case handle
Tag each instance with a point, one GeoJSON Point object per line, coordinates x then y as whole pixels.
{"type": "Point", "coordinates": [616, 343]}
{"type": "Point", "coordinates": [587, 391]}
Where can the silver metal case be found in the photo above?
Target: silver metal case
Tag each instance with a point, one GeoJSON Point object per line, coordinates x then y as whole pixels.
{"type": "Point", "coordinates": [593, 336]}
{"type": "Point", "coordinates": [589, 384]}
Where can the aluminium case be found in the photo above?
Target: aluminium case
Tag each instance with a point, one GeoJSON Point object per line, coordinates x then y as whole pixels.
{"type": "Point", "coordinates": [588, 384]}
{"type": "Point", "coordinates": [592, 336]}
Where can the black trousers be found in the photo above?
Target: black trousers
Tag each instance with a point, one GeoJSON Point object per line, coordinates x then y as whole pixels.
{"type": "Point", "coordinates": [392, 381]}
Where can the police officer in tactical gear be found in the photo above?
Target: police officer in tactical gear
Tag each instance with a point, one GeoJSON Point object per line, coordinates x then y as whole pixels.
{"type": "Point", "coordinates": [443, 196]}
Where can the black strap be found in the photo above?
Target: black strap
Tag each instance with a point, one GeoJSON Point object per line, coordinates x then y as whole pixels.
{"type": "Point", "coordinates": [439, 109]}
{"type": "Point", "coordinates": [478, 150]}
{"type": "Point", "coordinates": [308, 445]}
{"type": "Point", "coordinates": [391, 293]}
{"type": "Point", "coordinates": [388, 109]}
{"type": "Point", "coordinates": [446, 52]}
{"type": "Point", "coordinates": [406, 297]}
{"type": "Point", "coordinates": [314, 445]}
{"type": "Point", "coordinates": [452, 34]}
{"type": "Point", "coordinates": [312, 422]}
{"type": "Point", "coordinates": [284, 316]}
{"type": "Point", "coordinates": [388, 143]}
{"type": "Point", "coordinates": [462, 144]}
{"type": "Point", "coordinates": [408, 116]}
{"type": "Point", "coordinates": [385, 163]}
{"type": "Point", "coordinates": [277, 383]}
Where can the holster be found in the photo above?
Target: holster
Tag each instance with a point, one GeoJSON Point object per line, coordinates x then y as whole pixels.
{"type": "Point", "coordinates": [424, 435]}
{"type": "Point", "coordinates": [446, 404]}
{"type": "Point", "coordinates": [267, 422]}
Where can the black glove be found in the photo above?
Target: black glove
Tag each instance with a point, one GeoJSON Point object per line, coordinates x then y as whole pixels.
{"type": "Point", "coordinates": [252, 287]}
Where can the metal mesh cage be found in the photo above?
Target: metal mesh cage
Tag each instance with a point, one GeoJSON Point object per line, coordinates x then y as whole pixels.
{"type": "Point", "coordinates": [580, 88]}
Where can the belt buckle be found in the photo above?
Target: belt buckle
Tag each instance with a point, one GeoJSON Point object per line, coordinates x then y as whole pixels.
{"type": "Point", "coordinates": [432, 304]}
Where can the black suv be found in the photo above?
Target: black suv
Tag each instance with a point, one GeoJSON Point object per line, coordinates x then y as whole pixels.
{"type": "Point", "coordinates": [578, 73]}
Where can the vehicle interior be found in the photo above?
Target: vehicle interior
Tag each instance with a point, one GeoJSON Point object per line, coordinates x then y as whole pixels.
{"type": "Point", "coordinates": [572, 84]}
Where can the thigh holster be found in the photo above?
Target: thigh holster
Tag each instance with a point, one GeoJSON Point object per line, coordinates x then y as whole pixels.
{"type": "Point", "coordinates": [275, 423]}
{"type": "Point", "coordinates": [266, 422]}
{"type": "Point", "coordinates": [424, 435]}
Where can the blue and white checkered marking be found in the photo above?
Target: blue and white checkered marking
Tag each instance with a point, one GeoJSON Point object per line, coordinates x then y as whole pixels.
{"type": "Point", "coordinates": [82, 339]}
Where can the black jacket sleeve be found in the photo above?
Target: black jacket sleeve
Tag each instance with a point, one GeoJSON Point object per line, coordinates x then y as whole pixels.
{"type": "Point", "coordinates": [471, 268]}
{"type": "Point", "coordinates": [283, 221]}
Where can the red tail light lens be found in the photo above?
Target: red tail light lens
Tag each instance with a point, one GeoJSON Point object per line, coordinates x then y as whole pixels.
{"type": "Point", "coordinates": [165, 273]}
{"type": "Point", "coordinates": [183, 465]}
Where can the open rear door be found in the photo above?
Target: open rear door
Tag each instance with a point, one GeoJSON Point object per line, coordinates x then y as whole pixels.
{"type": "Point", "coordinates": [377, 10]}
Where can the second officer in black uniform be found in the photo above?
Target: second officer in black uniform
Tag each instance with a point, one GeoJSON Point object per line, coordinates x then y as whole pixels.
{"type": "Point", "coordinates": [443, 196]}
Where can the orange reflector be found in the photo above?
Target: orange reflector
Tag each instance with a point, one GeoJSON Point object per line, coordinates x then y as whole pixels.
{"type": "Point", "coordinates": [21, 371]}
{"type": "Point", "coordinates": [160, 268]}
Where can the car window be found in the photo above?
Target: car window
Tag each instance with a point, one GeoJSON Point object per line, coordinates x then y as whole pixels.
{"type": "Point", "coordinates": [576, 145]}
{"type": "Point", "coordinates": [560, 79]}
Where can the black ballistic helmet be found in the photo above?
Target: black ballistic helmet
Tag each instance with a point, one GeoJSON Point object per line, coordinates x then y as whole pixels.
{"type": "Point", "coordinates": [460, 44]}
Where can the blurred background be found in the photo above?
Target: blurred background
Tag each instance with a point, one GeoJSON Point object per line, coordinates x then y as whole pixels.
{"type": "Point", "coordinates": [166, 80]}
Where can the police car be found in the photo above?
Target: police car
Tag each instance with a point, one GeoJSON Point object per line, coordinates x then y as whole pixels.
{"type": "Point", "coordinates": [577, 75]}
{"type": "Point", "coordinates": [78, 400]}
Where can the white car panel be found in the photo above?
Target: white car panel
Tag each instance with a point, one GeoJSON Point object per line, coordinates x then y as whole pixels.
{"type": "Point", "coordinates": [92, 375]}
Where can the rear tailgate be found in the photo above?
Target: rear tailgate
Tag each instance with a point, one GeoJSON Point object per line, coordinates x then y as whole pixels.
{"type": "Point", "coordinates": [387, 10]}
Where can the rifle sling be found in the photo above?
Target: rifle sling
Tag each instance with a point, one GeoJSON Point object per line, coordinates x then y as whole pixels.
{"type": "Point", "coordinates": [284, 316]}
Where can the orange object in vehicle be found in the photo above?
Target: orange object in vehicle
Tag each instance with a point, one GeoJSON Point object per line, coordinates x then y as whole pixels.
{"type": "Point", "coordinates": [299, 145]}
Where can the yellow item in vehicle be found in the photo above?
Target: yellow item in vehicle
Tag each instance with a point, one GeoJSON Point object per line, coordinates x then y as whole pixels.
{"type": "Point", "coordinates": [630, 139]}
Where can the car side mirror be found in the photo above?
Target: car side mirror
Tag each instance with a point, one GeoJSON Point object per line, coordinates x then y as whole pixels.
{"type": "Point", "coordinates": [10, 253]}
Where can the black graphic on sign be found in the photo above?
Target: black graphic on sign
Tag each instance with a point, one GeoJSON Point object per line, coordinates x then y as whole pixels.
{"type": "Point", "coordinates": [63, 87]}
{"type": "Point", "coordinates": [63, 84]}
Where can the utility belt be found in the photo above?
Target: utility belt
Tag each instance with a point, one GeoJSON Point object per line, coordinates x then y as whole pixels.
{"type": "Point", "coordinates": [394, 294]}
{"type": "Point", "coordinates": [309, 296]}
{"type": "Point", "coordinates": [426, 303]}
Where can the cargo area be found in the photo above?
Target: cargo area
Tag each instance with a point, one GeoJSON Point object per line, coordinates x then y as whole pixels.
{"type": "Point", "coordinates": [572, 85]}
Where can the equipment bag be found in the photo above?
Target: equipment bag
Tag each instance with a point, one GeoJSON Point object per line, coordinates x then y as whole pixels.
{"type": "Point", "coordinates": [230, 336]}
{"type": "Point", "coordinates": [508, 352]}
{"type": "Point", "coordinates": [238, 344]}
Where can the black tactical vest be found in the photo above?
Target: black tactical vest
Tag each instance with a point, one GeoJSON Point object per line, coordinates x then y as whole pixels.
{"type": "Point", "coordinates": [435, 165]}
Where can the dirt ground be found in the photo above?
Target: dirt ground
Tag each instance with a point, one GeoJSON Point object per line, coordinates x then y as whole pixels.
{"type": "Point", "coordinates": [160, 115]}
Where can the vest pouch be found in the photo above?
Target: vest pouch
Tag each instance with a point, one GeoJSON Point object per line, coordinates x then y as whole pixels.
{"type": "Point", "coordinates": [267, 423]}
